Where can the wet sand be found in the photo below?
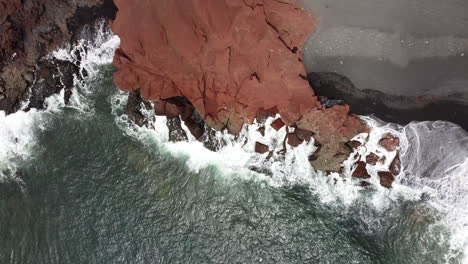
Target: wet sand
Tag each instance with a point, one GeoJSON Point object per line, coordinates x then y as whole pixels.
{"type": "Point", "coordinates": [406, 59]}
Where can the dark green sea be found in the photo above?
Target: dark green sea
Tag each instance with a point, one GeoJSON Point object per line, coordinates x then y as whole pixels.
{"type": "Point", "coordinates": [79, 184]}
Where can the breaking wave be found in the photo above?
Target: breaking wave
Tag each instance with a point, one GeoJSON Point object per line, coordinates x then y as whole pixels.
{"type": "Point", "coordinates": [434, 160]}
{"type": "Point", "coordinates": [18, 130]}
{"type": "Point", "coordinates": [434, 154]}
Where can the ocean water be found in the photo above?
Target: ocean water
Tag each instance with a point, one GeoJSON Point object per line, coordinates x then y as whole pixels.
{"type": "Point", "coordinates": [80, 184]}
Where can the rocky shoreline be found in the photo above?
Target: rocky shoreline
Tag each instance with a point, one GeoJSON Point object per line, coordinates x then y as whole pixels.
{"type": "Point", "coordinates": [368, 160]}
{"type": "Point", "coordinates": [227, 63]}
{"type": "Point", "coordinates": [30, 31]}
{"type": "Point", "coordinates": [248, 69]}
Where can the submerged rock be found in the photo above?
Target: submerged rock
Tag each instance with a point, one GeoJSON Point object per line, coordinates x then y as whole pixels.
{"type": "Point", "coordinates": [233, 61]}
{"type": "Point", "coordinates": [303, 134]}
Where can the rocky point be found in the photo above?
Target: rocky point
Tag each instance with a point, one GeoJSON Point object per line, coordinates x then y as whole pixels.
{"type": "Point", "coordinates": [230, 61]}
{"type": "Point", "coordinates": [29, 31]}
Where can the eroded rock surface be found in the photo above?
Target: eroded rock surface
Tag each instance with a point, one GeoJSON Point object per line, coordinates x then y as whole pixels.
{"type": "Point", "coordinates": [30, 30]}
{"type": "Point", "coordinates": [233, 61]}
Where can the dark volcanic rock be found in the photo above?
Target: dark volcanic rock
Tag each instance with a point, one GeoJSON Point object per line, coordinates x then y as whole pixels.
{"type": "Point", "coordinates": [364, 184]}
{"type": "Point", "coordinates": [29, 30]}
{"type": "Point", "coordinates": [51, 76]}
{"type": "Point", "coordinates": [328, 103]}
{"type": "Point", "coordinates": [398, 109]}
{"type": "Point", "coordinates": [176, 132]}
{"type": "Point", "coordinates": [210, 140]}
{"type": "Point", "coordinates": [135, 106]}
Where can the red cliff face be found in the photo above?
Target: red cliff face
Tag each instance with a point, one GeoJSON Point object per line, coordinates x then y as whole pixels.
{"type": "Point", "coordinates": [233, 60]}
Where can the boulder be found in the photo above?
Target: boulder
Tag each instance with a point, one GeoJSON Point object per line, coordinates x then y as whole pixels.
{"type": "Point", "coordinates": [372, 158]}
{"type": "Point", "coordinates": [303, 134]}
{"type": "Point", "coordinates": [261, 148]}
{"type": "Point", "coordinates": [277, 124]}
{"type": "Point", "coordinates": [261, 130]}
{"type": "Point", "coordinates": [386, 178]}
{"type": "Point", "coordinates": [395, 166]}
{"type": "Point", "coordinates": [389, 142]}
{"type": "Point", "coordinates": [361, 172]}
{"type": "Point", "coordinates": [294, 140]}
{"type": "Point", "coordinates": [135, 107]}
{"type": "Point", "coordinates": [382, 160]}
{"type": "Point", "coordinates": [354, 144]}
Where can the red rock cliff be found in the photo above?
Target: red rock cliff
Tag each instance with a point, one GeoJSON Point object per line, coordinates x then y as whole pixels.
{"type": "Point", "coordinates": [232, 59]}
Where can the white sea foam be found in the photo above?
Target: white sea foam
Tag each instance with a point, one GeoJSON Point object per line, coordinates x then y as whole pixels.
{"type": "Point", "coordinates": [437, 162]}
{"type": "Point", "coordinates": [449, 190]}
{"type": "Point", "coordinates": [89, 55]}
{"type": "Point", "coordinates": [18, 133]}
{"type": "Point", "coordinates": [238, 157]}
{"type": "Point", "coordinates": [18, 130]}
{"type": "Point", "coordinates": [447, 182]}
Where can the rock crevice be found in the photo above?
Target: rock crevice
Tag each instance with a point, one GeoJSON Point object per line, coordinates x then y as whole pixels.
{"type": "Point", "coordinates": [231, 60]}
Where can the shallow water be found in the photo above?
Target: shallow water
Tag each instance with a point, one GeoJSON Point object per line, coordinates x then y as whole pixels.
{"type": "Point", "coordinates": [81, 185]}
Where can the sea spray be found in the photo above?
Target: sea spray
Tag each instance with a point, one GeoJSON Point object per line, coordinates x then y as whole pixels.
{"type": "Point", "coordinates": [89, 55]}
{"type": "Point", "coordinates": [18, 130]}
{"type": "Point", "coordinates": [238, 159]}
{"type": "Point", "coordinates": [436, 160]}
{"type": "Point", "coordinates": [446, 193]}
{"type": "Point", "coordinates": [18, 134]}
